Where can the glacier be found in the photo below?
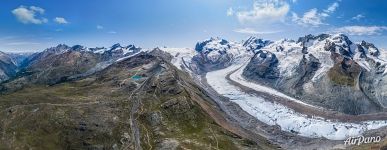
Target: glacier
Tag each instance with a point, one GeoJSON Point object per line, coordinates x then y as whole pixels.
{"type": "Point", "coordinates": [273, 113]}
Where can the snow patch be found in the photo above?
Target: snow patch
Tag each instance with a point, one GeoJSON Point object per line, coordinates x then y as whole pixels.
{"type": "Point", "coordinates": [181, 56]}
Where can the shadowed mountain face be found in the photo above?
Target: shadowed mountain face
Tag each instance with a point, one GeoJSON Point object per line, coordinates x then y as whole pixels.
{"type": "Point", "coordinates": [54, 68]}
{"type": "Point", "coordinates": [140, 102]}
{"type": "Point", "coordinates": [7, 67]}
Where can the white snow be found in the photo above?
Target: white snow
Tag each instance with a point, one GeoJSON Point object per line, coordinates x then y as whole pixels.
{"type": "Point", "coordinates": [181, 56]}
{"type": "Point", "coordinates": [277, 114]}
{"type": "Point", "coordinates": [215, 48]}
{"type": "Point", "coordinates": [126, 57]}
{"type": "Point", "coordinates": [127, 50]}
{"type": "Point", "coordinates": [289, 58]}
{"type": "Point", "coordinates": [100, 51]}
{"type": "Point", "coordinates": [318, 51]}
{"type": "Point", "coordinates": [364, 64]}
{"type": "Point", "coordinates": [237, 76]}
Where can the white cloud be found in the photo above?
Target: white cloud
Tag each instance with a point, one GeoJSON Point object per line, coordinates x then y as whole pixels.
{"type": "Point", "coordinates": [230, 12]}
{"type": "Point", "coordinates": [310, 18]}
{"type": "Point", "coordinates": [313, 17]}
{"type": "Point", "coordinates": [30, 14]}
{"type": "Point", "coordinates": [253, 31]}
{"type": "Point", "coordinates": [361, 30]}
{"type": "Point", "coordinates": [264, 11]}
{"type": "Point", "coordinates": [112, 32]}
{"type": "Point", "coordinates": [332, 8]}
{"type": "Point", "coordinates": [358, 17]}
{"type": "Point", "coordinates": [99, 27]}
{"type": "Point", "coordinates": [60, 20]}
{"type": "Point", "coordinates": [37, 9]}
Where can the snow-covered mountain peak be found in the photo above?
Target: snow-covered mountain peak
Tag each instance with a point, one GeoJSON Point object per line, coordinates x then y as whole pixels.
{"type": "Point", "coordinates": [220, 46]}
{"type": "Point", "coordinates": [254, 43]}
{"type": "Point", "coordinates": [308, 38]}
{"type": "Point", "coordinates": [340, 44]}
{"type": "Point", "coordinates": [131, 47]}
{"type": "Point", "coordinates": [213, 44]}
{"type": "Point", "coordinates": [116, 49]}
{"type": "Point", "coordinates": [119, 47]}
{"type": "Point", "coordinates": [78, 48]}
{"type": "Point", "coordinates": [116, 46]}
{"type": "Point", "coordinates": [369, 48]}
{"type": "Point", "coordinates": [61, 48]}
{"type": "Point", "coordinates": [99, 50]}
{"type": "Point", "coordinates": [5, 58]}
{"type": "Point", "coordinates": [324, 44]}
{"type": "Point", "coordinates": [217, 53]}
{"type": "Point", "coordinates": [326, 50]}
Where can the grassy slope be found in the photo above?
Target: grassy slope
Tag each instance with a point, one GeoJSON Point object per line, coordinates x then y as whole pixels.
{"type": "Point", "coordinates": [93, 113]}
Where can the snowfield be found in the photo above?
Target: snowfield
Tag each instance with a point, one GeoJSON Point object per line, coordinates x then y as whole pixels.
{"type": "Point", "coordinates": [181, 56]}
{"type": "Point", "coordinates": [278, 114]}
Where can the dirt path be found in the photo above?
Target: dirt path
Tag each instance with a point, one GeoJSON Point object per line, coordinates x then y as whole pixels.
{"type": "Point", "coordinates": [136, 102]}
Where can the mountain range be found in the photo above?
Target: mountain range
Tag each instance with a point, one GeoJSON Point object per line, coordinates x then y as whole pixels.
{"type": "Point", "coordinates": [126, 97]}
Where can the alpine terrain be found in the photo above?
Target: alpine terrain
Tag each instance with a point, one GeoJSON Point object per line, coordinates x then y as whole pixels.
{"type": "Point", "coordinates": [310, 93]}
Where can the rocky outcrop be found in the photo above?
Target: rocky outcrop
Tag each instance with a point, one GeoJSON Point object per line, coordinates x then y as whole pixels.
{"type": "Point", "coordinates": [308, 67]}
{"type": "Point", "coordinates": [370, 48]}
{"type": "Point", "coordinates": [263, 66]}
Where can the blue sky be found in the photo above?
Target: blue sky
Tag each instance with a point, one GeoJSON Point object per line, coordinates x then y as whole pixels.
{"type": "Point", "coordinates": [33, 25]}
